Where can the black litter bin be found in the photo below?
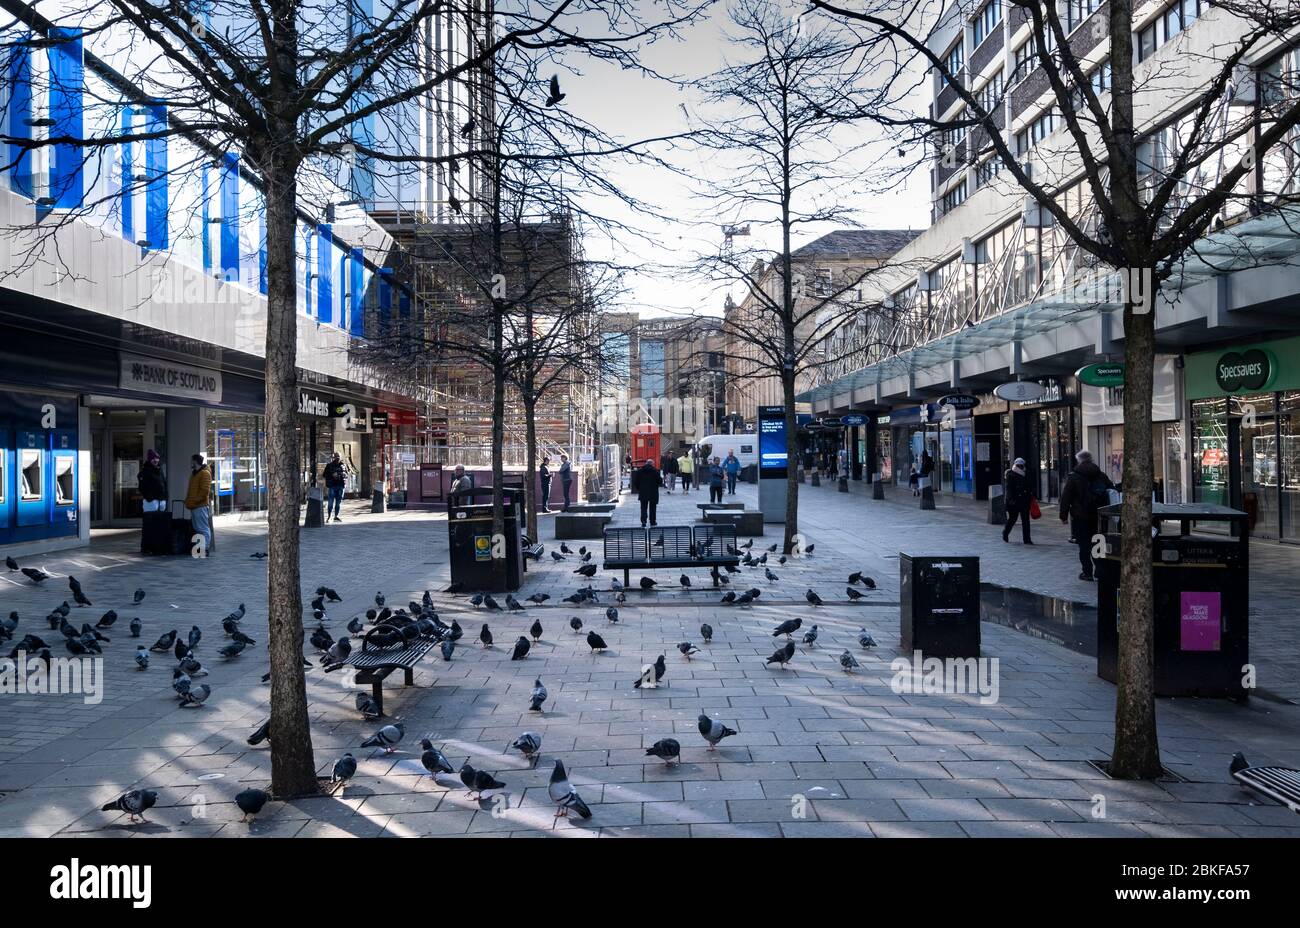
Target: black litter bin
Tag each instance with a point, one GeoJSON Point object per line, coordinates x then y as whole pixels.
{"type": "Point", "coordinates": [1201, 594]}
{"type": "Point", "coordinates": [469, 530]}
{"type": "Point", "coordinates": [939, 612]}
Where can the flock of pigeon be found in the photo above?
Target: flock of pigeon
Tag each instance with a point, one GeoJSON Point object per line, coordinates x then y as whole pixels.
{"type": "Point", "coordinates": [420, 620]}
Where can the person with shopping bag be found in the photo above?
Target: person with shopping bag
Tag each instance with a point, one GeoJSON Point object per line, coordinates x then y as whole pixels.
{"type": "Point", "coordinates": [1019, 500]}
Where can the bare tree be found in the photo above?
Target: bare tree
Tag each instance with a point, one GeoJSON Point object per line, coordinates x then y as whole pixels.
{"type": "Point", "coordinates": [1145, 195]}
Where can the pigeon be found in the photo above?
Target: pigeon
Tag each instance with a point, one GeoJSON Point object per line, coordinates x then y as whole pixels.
{"type": "Point", "coordinates": [356, 626]}
{"type": "Point", "coordinates": [853, 594]}
{"type": "Point", "coordinates": [865, 639]}
{"type": "Point", "coordinates": [238, 614]}
{"type": "Point", "coordinates": [771, 577]}
{"type": "Point", "coordinates": [647, 583]}
{"type": "Point", "coordinates": [536, 630]}
{"type": "Point", "coordinates": [787, 628]}
{"type": "Point", "coordinates": [587, 570]}
{"type": "Point", "coordinates": [564, 795]}
{"type": "Point", "coordinates": [658, 669]}
{"type": "Point", "coordinates": [537, 696]}
{"type": "Point", "coordinates": [744, 599]}
{"type": "Point", "coordinates": [232, 650]}
{"type": "Point", "coordinates": [434, 760]}
{"type": "Point", "coordinates": [80, 598]}
{"type": "Point", "coordinates": [685, 581]}
{"type": "Point", "coordinates": [194, 637]}
{"type": "Point", "coordinates": [595, 642]}
{"type": "Point", "coordinates": [810, 636]}
{"type": "Point", "coordinates": [107, 620]}
{"type": "Point", "coordinates": [386, 737]}
{"type": "Point", "coordinates": [345, 768]}
{"type": "Point", "coordinates": [448, 647]}
{"type": "Point", "coordinates": [320, 639]}
{"type": "Point", "coordinates": [455, 633]}
{"type": "Point", "coordinates": [338, 653]}
{"type": "Point", "coordinates": [782, 655]}
{"type": "Point", "coordinates": [728, 597]}
{"type": "Point", "coordinates": [136, 627]}
{"type": "Point", "coordinates": [134, 803]}
{"type": "Point", "coordinates": [75, 646]}
{"type": "Point", "coordinates": [138, 598]}
{"type": "Point", "coordinates": [539, 598]}
{"type": "Point", "coordinates": [165, 642]}
{"type": "Point", "coordinates": [557, 556]}
{"type": "Point", "coordinates": [367, 706]}
{"type": "Point", "coordinates": [714, 731]}
{"type": "Point", "coordinates": [848, 662]}
{"type": "Point", "coordinates": [141, 658]}
{"type": "Point", "coordinates": [379, 599]}
{"type": "Point", "coordinates": [490, 603]}
{"type": "Point", "coordinates": [868, 583]}
{"type": "Point", "coordinates": [772, 549]}
{"type": "Point", "coordinates": [782, 559]}
{"type": "Point", "coordinates": [855, 577]}
{"type": "Point", "coordinates": [813, 598]}
{"type": "Point", "coordinates": [485, 636]}
{"type": "Point", "coordinates": [809, 549]}
{"type": "Point", "coordinates": [180, 650]}
{"type": "Point", "coordinates": [74, 584]}
{"type": "Point", "coordinates": [706, 632]}
{"type": "Point", "coordinates": [528, 744]}
{"type": "Point", "coordinates": [575, 623]}
{"type": "Point", "coordinates": [196, 696]}
{"type": "Point", "coordinates": [11, 563]}
{"type": "Point", "coordinates": [621, 597]}
{"type": "Point", "coordinates": [521, 649]}
{"type": "Point", "coordinates": [612, 614]}
{"type": "Point", "coordinates": [575, 598]}
{"type": "Point", "coordinates": [261, 733]}
{"type": "Point", "coordinates": [478, 781]}
{"type": "Point", "coordinates": [329, 594]}
{"type": "Point", "coordinates": [241, 638]}
{"type": "Point", "coordinates": [251, 801]}
{"type": "Point", "coordinates": [687, 649]}
{"type": "Point", "coordinates": [35, 574]}
{"type": "Point", "coordinates": [258, 555]}
{"type": "Point", "coordinates": [513, 604]}
{"type": "Point", "coordinates": [190, 665]}
{"type": "Point", "coordinates": [615, 584]}
{"type": "Point", "coordinates": [666, 749]}
{"type": "Point", "coordinates": [455, 588]}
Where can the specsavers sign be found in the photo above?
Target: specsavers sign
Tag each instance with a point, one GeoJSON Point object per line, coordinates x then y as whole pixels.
{"type": "Point", "coordinates": [1244, 369]}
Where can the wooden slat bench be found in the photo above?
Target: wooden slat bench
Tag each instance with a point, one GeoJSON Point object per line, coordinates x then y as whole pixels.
{"type": "Point", "coordinates": [669, 546]}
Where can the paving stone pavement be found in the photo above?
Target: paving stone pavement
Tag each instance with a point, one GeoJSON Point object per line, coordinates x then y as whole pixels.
{"type": "Point", "coordinates": [819, 752]}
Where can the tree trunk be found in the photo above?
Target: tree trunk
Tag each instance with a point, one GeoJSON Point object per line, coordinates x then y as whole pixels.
{"type": "Point", "coordinates": [530, 470]}
{"type": "Point", "coordinates": [293, 764]}
{"type": "Point", "coordinates": [498, 453]}
{"type": "Point", "coordinates": [1136, 753]}
{"type": "Point", "coordinates": [791, 465]}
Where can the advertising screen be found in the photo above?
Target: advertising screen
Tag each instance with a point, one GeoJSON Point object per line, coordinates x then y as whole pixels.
{"type": "Point", "coordinates": [771, 441]}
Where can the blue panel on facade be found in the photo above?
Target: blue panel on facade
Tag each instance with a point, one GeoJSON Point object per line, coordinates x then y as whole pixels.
{"type": "Point", "coordinates": [230, 216]}
{"type": "Point", "coordinates": [6, 481]}
{"type": "Point", "coordinates": [357, 294]}
{"type": "Point", "coordinates": [324, 274]}
{"type": "Point", "coordinates": [155, 166]}
{"type": "Point", "coordinates": [127, 202]}
{"type": "Point", "coordinates": [385, 300]}
{"type": "Point", "coordinates": [19, 74]}
{"type": "Point", "coordinates": [66, 86]}
{"type": "Point", "coordinates": [62, 495]}
{"type": "Point", "coordinates": [261, 253]}
{"type": "Point", "coordinates": [404, 305]}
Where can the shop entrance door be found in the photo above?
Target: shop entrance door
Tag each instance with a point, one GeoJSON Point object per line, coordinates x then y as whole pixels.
{"type": "Point", "coordinates": [126, 448]}
{"type": "Point", "coordinates": [1256, 478]}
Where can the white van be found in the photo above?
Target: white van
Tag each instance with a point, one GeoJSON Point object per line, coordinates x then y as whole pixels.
{"type": "Point", "coordinates": [745, 446]}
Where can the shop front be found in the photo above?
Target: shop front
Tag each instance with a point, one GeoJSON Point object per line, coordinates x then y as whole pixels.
{"type": "Point", "coordinates": [1047, 432]}
{"type": "Point", "coordinates": [1103, 419]}
{"type": "Point", "coordinates": [1245, 421]}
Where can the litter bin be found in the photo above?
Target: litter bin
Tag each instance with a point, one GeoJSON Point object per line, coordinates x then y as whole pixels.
{"type": "Point", "coordinates": [939, 605]}
{"type": "Point", "coordinates": [469, 535]}
{"type": "Point", "coordinates": [1201, 595]}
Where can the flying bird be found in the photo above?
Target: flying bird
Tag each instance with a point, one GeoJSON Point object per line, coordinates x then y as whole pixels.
{"type": "Point", "coordinates": [564, 795]}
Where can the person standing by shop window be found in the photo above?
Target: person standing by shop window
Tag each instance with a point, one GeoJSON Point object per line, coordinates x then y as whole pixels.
{"type": "Point", "coordinates": [197, 499]}
{"type": "Point", "coordinates": [566, 477]}
{"type": "Point", "coordinates": [336, 478]}
{"type": "Point", "coordinates": [544, 476]}
{"type": "Point", "coordinates": [1018, 499]}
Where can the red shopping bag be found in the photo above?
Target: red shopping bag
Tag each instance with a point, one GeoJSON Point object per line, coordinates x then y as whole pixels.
{"type": "Point", "coordinates": [1034, 511]}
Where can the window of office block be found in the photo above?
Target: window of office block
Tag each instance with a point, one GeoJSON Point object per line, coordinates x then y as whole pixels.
{"type": "Point", "coordinates": [1076, 11]}
{"type": "Point", "coordinates": [954, 61]}
{"type": "Point", "coordinates": [989, 18]}
{"type": "Point", "coordinates": [989, 96]}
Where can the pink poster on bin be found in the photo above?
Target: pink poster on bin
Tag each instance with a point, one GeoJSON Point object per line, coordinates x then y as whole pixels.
{"type": "Point", "coordinates": [1200, 621]}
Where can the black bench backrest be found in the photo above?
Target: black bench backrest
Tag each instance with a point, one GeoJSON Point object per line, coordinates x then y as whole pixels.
{"type": "Point", "coordinates": [676, 542]}
{"type": "Point", "coordinates": [625, 544]}
{"type": "Point", "coordinates": [714, 540]}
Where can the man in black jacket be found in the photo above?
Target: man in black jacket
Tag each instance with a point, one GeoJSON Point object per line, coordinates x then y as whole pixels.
{"type": "Point", "coordinates": [1085, 491]}
{"type": "Point", "coordinates": [646, 481]}
{"type": "Point", "coordinates": [1016, 495]}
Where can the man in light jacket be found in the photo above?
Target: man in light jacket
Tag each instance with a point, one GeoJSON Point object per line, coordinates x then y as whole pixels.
{"type": "Point", "coordinates": [197, 500]}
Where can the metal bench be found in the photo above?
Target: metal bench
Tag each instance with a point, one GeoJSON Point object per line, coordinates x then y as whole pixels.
{"type": "Point", "coordinates": [1281, 784]}
{"type": "Point", "coordinates": [669, 546]}
{"type": "Point", "coordinates": [374, 666]}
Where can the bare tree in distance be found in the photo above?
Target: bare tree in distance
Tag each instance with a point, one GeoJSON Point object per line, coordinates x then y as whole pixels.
{"type": "Point", "coordinates": [295, 88]}
{"type": "Point", "coordinates": [1135, 199]}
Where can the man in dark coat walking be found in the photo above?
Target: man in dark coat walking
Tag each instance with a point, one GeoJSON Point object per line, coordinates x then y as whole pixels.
{"type": "Point", "coordinates": [1017, 496]}
{"type": "Point", "coordinates": [1086, 490]}
{"type": "Point", "coordinates": [646, 482]}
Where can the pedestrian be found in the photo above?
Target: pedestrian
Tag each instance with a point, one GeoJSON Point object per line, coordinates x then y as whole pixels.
{"type": "Point", "coordinates": [1018, 500]}
{"type": "Point", "coordinates": [197, 497]}
{"type": "Point", "coordinates": [664, 460]}
{"type": "Point", "coordinates": [646, 481]}
{"type": "Point", "coordinates": [717, 478]}
{"type": "Point", "coordinates": [832, 464]}
{"type": "Point", "coordinates": [732, 466]}
{"type": "Point", "coordinates": [336, 480]}
{"type": "Point", "coordinates": [914, 480]}
{"type": "Point", "coordinates": [686, 467]}
{"type": "Point", "coordinates": [670, 470]}
{"type": "Point", "coordinates": [1086, 490]}
{"type": "Point", "coordinates": [544, 476]}
{"type": "Point", "coordinates": [153, 489]}
{"type": "Point", "coordinates": [844, 462]}
{"type": "Point", "coordinates": [460, 484]}
{"type": "Point", "coordinates": [566, 477]}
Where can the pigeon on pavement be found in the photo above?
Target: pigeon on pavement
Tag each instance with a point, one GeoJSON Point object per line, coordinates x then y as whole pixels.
{"type": "Point", "coordinates": [687, 649]}
{"type": "Point", "coordinates": [667, 749]}
{"type": "Point", "coordinates": [134, 803]}
{"type": "Point", "coordinates": [537, 697]}
{"type": "Point", "coordinates": [706, 632]}
{"type": "Point", "coordinates": [595, 642]}
{"type": "Point", "coordinates": [521, 649]}
{"type": "Point", "coordinates": [528, 744]}
{"type": "Point", "coordinates": [251, 802]}
{"type": "Point", "coordinates": [657, 670]}
{"type": "Point", "coordinates": [345, 768]}
{"type": "Point", "coordinates": [386, 737]}
{"type": "Point", "coordinates": [485, 636]}
{"type": "Point", "coordinates": [813, 598]}
{"type": "Point", "coordinates": [810, 636]}
{"type": "Point", "coordinates": [575, 623]}
{"type": "Point", "coordinates": [367, 706]}
{"type": "Point", "coordinates": [865, 639]}
{"type": "Point", "coordinates": [433, 759]}
{"type": "Point", "coordinates": [787, 628]}
{"type": "Point", "coordinates": [782, 655]}
{"type": "Point", "coordinates": [564, 795]}
{"type": "Point", "coordinates": [848, 662]}
{"type": "Point", "coordinates": [713, 730]}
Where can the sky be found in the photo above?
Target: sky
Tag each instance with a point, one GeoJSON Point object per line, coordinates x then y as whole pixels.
{"type": "Point", "coordinates": [629, 105]}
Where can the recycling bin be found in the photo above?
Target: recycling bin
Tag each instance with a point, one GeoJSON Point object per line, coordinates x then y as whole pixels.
{"type": "Point", "coordinates": [939, 605]}
{"type": "Point", "coordinates": [1201, 595]}
{"type": "Point", "coordinates": [469, 535]}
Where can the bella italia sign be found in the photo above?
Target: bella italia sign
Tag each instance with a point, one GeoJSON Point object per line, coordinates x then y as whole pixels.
{"type": "Point", "coordinates": [169, 378]}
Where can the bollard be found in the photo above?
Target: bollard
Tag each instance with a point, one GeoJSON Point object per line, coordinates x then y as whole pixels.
{"type": "Point", "coordinates": [844, 484]}
{"type": "Point", "coordinates": [816, 479]}
{"type": "Point", "coordinates": [997, 506]}
{"type": "Point", "coordinates": [927, 497]}
{"type": "Point", "coordinates": [315, 509]}
{"type": "Point", "coordinates": [378, 502]}
{"type": "Point", "coordinates": [877, 487]}
{"type": "Point", "coordinates": [801, 476]}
